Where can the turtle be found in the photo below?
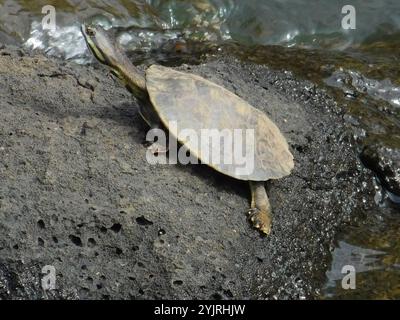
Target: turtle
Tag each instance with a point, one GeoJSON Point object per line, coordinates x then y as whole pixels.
{"type": "Point", "coordinates": [167, 95]}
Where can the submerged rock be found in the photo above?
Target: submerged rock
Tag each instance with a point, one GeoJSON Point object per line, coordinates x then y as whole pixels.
{"type": "Point", "coordinates": [77, 192]}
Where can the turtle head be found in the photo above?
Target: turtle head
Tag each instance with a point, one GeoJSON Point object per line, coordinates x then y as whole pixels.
{"type": "Point", "coordinates": [110, 54]}
{"type": "Point", "coordinates": [102, 46]}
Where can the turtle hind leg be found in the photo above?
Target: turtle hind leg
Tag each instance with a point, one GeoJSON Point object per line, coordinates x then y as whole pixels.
{"type": "Point", "coordinates": [260, 211]}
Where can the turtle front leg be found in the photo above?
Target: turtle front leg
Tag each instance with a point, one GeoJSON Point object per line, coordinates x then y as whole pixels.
{"type": "Point", "coordinates": [158, 146]}
{"type": "Point", "coordinates": [260, 211]}
{"type": "Point", "coordinates": [148, 114]}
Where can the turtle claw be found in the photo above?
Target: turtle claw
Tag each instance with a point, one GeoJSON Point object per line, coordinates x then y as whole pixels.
{"type": "Point", "coordinates": [260, 220]}
{"type": "Point", "coordinates": [157, 148]}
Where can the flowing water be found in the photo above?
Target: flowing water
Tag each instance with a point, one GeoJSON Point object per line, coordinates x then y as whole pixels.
{"type": "Point", "coordinates": [360, 67]}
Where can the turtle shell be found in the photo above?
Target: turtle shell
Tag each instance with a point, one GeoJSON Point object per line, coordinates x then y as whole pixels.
{"type": "Point", "coordinates": [247, 145]}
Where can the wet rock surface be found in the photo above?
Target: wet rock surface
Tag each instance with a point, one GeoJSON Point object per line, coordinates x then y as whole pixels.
{"type": "Point", "coordinates": [385, 162]}
{"type": "Point", "coordinates": [77, 192]}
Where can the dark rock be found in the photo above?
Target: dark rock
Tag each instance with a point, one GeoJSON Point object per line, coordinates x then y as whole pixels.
{"type": "Point", "coordinates": [73, 173]}
{"type": "Point", "coordinates": [384, 161]}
